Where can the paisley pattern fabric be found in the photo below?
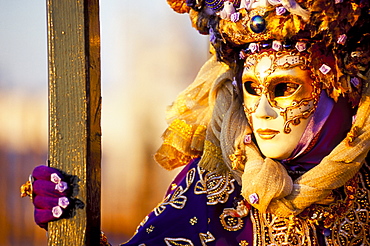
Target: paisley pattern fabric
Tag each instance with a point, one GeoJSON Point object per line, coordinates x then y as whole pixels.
{"type": "Point", "coordinates": [201, 208]}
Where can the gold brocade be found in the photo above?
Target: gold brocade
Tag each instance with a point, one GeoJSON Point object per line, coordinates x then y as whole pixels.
{"type": "Point", "coordinates": [270, 230]}
{"type": "Point", "coordinates": [217, 187]}
{"type": "Point", "coordinates": [345, 221]}
{"type": "Point", "coordinates": [176, 149]}
{"type": "Point", "coordinates": [189, 116]}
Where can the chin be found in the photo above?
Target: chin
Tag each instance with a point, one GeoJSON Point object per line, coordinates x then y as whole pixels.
{"type": "Point", "coordinates": [278, 151]}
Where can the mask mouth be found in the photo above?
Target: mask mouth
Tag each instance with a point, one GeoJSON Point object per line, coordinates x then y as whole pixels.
{"type": "Point", "coordinates": [267, 134]}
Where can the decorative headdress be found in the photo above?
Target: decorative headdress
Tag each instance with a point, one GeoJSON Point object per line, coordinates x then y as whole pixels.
{"type": "Point", "coordinates": [207, 118]}
{"type": "Point", "coordinates": [334, 33]}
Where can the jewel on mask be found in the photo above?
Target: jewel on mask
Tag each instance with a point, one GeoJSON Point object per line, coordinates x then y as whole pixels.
{"type": "Point", "coordinates": [338, 1]}
{"type": "Point", "coordinates": [300, 46]}
{"type": "Point", "coordinates": [276, 45]}
{"type": "Point", "coordinates": [253, 198]}
{"type": "Point", "coordinates": [257, 24]}
{"type": "Point", "coordinates": [342, 39]}
{"type": "Point", "coordinates": [324, 69]}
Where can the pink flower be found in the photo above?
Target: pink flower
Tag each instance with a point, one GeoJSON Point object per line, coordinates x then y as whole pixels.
{"type": "Point", "coordinates": [57, 211]}
{"type": "Point", "coordinates": [55, 178]}
{"type": "Point", "coordinates": [254, 47]}
{"type": "Point", "coordinates": [253, 198]}
{"type": "Point", "coordinates": [324, 69]}
{"type": "Point", "coordinates": [300, 46]}
{"type": "Point", "coordinates": [276, 45]}
{"type": "Point", "coordinates": [62, 186]}
{"type": "Point", "coordinates": [247, 139]}
{"type": "Point", "coordinates": [63, 202]}
{"type": "Point", "coordinates": [235, 17]}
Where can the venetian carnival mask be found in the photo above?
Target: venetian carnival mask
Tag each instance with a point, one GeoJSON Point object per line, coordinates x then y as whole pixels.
{"type": "Point", "coordinates": [280, 96]}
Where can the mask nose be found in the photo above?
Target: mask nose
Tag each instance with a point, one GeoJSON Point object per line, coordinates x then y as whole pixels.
{"type": "Point", "coordinates": [264, 109]}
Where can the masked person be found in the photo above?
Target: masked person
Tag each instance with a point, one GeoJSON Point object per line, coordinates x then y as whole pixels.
{"type": "Point", "coordinates": [273, 132]}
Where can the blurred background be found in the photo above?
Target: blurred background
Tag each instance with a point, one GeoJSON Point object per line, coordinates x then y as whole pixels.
{"type": "Point", "coordinates": [149, 54]}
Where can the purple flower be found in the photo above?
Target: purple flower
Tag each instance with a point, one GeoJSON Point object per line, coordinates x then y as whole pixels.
{"type": "Point", "coordinates": [247, 139]}
{"type": "Point", "coordinates": [324, 69]}
{"type": "Point", "coordinates": [300, 46]}
{"type": "Point", "coordinates": [55, 178]}
{"type": "Point", "coordinates": [63, 202]}
{"type": "Point", "coordinates": [235, 17]}
{"type": "Point", "coordinates": [253, 198]}
{"type": "Point", "coordinates": [57, 211]}
{"type": "Point", "coordinates": [62, 186]}
{"type": "Point", "coordinates": [280, 10]}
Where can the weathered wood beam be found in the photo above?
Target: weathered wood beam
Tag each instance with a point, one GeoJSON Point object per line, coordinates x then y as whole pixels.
{"type": "Point", "coordinates": [74, 112]}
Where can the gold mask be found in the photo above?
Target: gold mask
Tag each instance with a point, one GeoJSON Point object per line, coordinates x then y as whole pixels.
{"type": "Point", "coordinates": [286, 81]}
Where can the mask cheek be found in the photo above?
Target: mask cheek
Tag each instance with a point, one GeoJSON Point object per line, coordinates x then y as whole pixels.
{"type": "Point", "coordinates": [294, 114]}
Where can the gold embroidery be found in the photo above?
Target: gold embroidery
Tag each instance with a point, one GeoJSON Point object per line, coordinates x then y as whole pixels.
{"type": "Point", "coordinates": [150, 229]}
{"type": "Point", "coordinates": [243, 243]}
{"type": "Point", "coordinates": [217, 187]}
{"type": "Point", "coordinates": [237, 159]}
{"type": "Point", "coordinates": [353, 228]}
{"type": "Point", "coordinates": [230, 220]}
{"type": "Point", "coordinates": [193, 220]}
{"type": "Point", "coordinates": [345, 222]}
{"type": "Point", "coordinates": [206, 238]}
{"type": "Point", "coordinates": [176, 199]}
{"type": "Point", "coordinates": [273, 230]}
{"type": "Point", "coordinates": [178, 242]}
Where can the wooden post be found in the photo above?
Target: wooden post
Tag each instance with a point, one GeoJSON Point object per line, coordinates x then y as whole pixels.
{"type": "Point", "coordinates": [74, 112]}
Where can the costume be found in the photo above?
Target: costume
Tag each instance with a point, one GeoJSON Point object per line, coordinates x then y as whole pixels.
{"type": "Point", "coordinates": [262, 50]}
{"type": "Point", "coordinates": [273, 132]}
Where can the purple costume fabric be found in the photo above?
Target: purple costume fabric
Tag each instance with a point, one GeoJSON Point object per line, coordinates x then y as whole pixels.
{"type": "Point", "coordinates": [190, 217]}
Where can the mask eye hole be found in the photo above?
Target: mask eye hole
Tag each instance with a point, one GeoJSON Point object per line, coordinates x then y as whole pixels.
{"type": "Point", "coordinates": [253, 88]}
{"type": "Point", "coordinates": [285, 89]}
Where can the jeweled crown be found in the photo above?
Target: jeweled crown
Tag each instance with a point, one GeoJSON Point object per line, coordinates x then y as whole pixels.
{"type": "Point", "coordinates": [335, 33]}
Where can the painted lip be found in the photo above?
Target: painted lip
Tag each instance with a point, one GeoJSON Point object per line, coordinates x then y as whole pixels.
{"type": "Point", "coordinates": [267, 134]}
